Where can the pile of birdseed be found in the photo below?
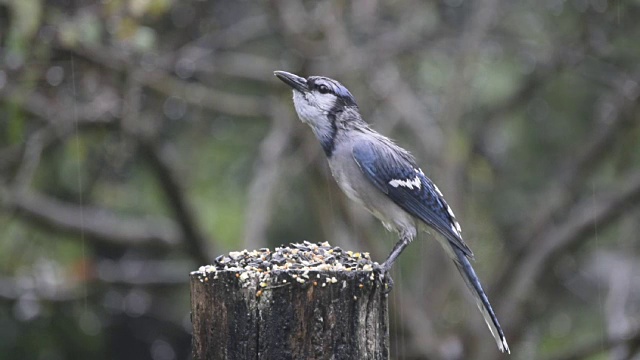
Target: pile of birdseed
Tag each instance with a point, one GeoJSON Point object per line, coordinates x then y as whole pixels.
{"type": "Point", "coordinates": [299, 259]}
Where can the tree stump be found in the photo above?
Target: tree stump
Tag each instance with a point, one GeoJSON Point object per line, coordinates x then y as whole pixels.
{"type": "Point", "coordinates": [308, 301]}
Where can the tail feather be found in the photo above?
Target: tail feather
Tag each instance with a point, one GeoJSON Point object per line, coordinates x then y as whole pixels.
{"type": "Point", "coordinates": [472, 281]}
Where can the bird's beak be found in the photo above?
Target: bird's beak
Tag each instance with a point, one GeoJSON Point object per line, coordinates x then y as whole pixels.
{"type": "Point", "coordinates": [296, 82]}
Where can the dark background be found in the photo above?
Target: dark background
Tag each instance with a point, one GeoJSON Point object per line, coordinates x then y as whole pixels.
{"type": "Point", "coordinates": [141, 138]}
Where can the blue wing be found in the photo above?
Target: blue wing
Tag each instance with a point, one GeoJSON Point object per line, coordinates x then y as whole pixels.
{"type": "Point", "coordinates": [397, 175]}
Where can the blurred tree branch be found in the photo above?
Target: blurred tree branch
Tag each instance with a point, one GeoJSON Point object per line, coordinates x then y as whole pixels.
{"type": "Point", "coordinates": [97, 224]}
{"type": "Point", "coordinates": [599, 346]}
{"type": "Point", "coordinates": [160, 80]}
{"type": "Point", "coordinates": [565, 189]}
{"type": "Point", "coordinates": [100, 110]}
{"type": "Point", "coordinates": [270, 175]}
{"type": "Point", "coordinates": [617, 117]}
{"type": "Point", "coordinates": [486, 119]}
{"type": "Point", "coordinates": [602, 210]}
{"type": "Point", "coordinates": [456, 96]}
{"type": "Point", "coordinates": [196, 244]}
{"type": "Point", "coordinates": [143, 272]}
{"type": "Point", "coordinates": [100, 224]}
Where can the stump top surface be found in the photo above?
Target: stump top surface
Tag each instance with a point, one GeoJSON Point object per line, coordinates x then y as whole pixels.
{"type": "Point", "coordinates": [296, 258]}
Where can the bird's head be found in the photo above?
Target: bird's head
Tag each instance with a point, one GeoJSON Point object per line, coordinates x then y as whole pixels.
{"type": "Point", "coordinates": [317, 99]}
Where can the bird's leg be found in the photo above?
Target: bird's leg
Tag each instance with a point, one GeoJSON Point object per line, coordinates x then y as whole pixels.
{"type": "Point", "coordinates": [405, 240]}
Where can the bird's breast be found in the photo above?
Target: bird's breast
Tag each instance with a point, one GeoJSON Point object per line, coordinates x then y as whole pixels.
{"type": "Point", "coordinates": [347, 174]}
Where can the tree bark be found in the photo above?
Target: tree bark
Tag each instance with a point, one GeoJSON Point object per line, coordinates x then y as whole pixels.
{"type": "Point", "coordinates": [318, 315]}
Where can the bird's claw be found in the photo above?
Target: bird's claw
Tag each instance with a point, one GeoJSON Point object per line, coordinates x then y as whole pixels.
{"type": "Point", "coordinates": [384, 277]}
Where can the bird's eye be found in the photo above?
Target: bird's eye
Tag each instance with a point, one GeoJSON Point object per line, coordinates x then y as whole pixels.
{"type": "Point", "coordinates": [323, 89]}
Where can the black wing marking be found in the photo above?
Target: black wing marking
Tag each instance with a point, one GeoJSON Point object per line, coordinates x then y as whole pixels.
{"type": "Point", "coordinates": [408, 187]}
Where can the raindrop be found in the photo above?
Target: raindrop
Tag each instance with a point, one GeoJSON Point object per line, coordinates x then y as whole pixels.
{"type": "Point", "coordinates": [528, 62]}
{"type": "Point", "coordinates": [185, 68]}
{"type": "Point", "coordinates": [162, 350]}
{"type": "Point", "coordinates": [174, 108]}
{"type": "Point", "coordinates": [149, 62]}
{"type": "Point", "coordinates": [136, 303]}
{"type": "Point", "coordinates": [55, 75]}
{"type": "Point", "coordinates": [27, 308]}
{"type": "Point", "coordinates": [89, 323]}
{"type": "Point", "coordinates": [14, 60]}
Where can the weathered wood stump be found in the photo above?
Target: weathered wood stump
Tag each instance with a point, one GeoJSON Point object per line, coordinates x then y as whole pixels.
{"type": "Point", "coordinates": [311, 301]}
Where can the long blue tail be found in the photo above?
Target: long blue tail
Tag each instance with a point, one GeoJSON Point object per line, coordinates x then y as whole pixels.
{"type": "Point", "coordinates": [472, 281]}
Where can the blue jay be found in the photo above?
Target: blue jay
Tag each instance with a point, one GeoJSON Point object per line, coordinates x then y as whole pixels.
{"type": "Point", "coordinates": [381, 176]}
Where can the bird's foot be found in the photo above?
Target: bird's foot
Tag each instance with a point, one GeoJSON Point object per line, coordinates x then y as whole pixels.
{"type": "Point", "coordinates": [384, 277]}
